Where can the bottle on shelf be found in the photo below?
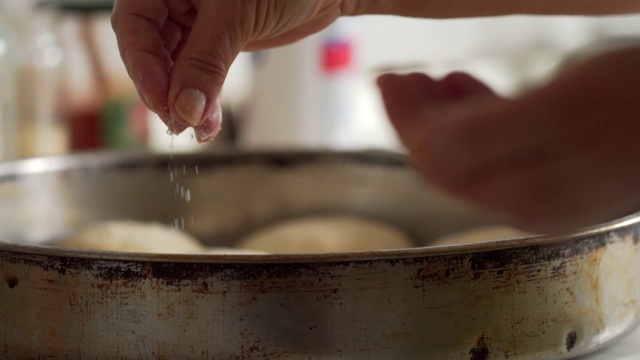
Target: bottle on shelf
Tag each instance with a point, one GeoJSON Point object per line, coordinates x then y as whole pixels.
{"type": "Point", "coordinates": [305, 94]}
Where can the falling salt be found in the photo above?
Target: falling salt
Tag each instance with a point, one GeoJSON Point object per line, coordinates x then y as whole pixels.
{"type": "Point", "coordinates": [180, 190]}
{"type": "Point", "coordinates": [171, 145]}
{"type": "Point", "coordinates": [178, 222]}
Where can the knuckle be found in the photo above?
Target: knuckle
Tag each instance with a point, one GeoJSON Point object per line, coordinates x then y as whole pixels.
{"type": "Point", "coordinates": [211, 71]}
{"type": "Point", "coordinates": [211, 62]}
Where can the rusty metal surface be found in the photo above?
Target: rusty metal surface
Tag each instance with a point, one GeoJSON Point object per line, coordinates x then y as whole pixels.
{"type": "Point", "coordinates": [537, 298]}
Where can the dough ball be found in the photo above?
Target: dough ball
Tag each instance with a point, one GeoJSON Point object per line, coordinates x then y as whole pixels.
{"type": "Point", "coordinates": [132, 236]}
{"type": "Point", "coordinates": [326, 234]}
{"type": "Point", "coordinates": [482, 234]}
{"type": "Point", "coordinates": [231, 251]}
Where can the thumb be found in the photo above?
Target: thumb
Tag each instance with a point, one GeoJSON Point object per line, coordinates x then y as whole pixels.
{"type": "Point", "coordinates": [201, 67]}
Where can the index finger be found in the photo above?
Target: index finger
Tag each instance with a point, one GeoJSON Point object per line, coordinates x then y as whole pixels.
{"type": "Point", "coordinates": [137, 25]}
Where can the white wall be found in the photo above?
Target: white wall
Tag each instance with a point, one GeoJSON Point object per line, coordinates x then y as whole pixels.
{"type": "Point", "coordinates": [509, 53]}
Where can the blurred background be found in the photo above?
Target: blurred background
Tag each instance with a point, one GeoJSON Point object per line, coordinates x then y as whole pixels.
{"type": "Point", "coordinates": [64, 89]}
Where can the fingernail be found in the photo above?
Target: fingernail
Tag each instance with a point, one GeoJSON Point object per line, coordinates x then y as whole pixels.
{"type": "Point", "coordinates": [173, 126]}
{"type": "Point", "coordinates": [190, 105]}
{"type": "Point", "coordinates": [208, 130]}
{"type": "Point", "coordinates": [176, 128]}
{"type": "Point", "coordinates": [211, 126]}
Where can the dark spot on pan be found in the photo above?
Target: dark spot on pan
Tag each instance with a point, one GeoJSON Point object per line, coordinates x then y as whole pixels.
{"type": "Point", "coordinates": [476, 275]}
{"type": "Point", "coordinates": [481, 350]}
{"type": "Point", "coordinates": [542, 254]}
{"type": "Point", "coordinates": [125, 272]}
{"type": "Point", "coordinates": [570, 341]}
{"type": "Point", "coordinates": [202, 288]}
{"type": "Point", "coordinates": [11, 280]}
{"type": "Point", "coordinates": [447, 273]}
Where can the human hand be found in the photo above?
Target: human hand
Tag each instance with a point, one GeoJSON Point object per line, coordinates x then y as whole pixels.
{"type": "Point", "coordinates": [559, 157]}
{"type": "Point", "coordinates": [178, 52]}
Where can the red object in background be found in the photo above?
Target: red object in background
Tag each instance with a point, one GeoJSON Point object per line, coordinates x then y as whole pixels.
{"type": "Point", "coordinates": [85, 131]}
{"type": "Point", "coordinates": [138, 115]}
{"type": "Point", "coordinates": [336, 56]}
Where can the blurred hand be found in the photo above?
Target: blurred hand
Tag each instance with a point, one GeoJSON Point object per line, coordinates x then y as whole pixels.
{"type": "Point", "coordinates": [563, 156]}
{"type": "Point", "coordinates": [178, 52]}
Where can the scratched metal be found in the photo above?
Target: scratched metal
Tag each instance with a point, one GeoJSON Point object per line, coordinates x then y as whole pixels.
{"type": "Point", "coordinates": [536, 298]}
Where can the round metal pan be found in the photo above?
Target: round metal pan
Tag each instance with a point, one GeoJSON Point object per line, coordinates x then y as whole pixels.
{"type": "Point", "coordinates": [531, 298]}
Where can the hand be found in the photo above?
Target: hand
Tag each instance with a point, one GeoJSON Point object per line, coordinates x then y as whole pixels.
{"type": "Point", "coordinates": [563, 156]}
{"type": "Point", "coordinates": [178, 52]}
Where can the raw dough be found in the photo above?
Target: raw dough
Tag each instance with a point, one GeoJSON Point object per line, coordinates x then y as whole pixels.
{"type": "Point", "coordinates": [326, 234]}
{"type": "Point", "coordinates": [133, 236]}
{"type": "Point", "coordinates": [482, 234]}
